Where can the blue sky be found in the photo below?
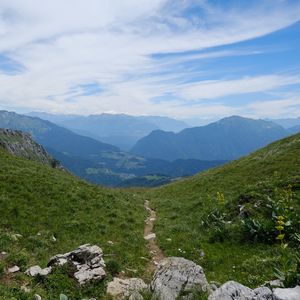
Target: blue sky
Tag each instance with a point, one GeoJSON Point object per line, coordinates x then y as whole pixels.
{"type": "Point", "coordinates": [186, 59]}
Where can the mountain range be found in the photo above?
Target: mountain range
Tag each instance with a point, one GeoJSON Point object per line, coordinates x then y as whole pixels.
{"type": "Point", "coordinates": [226, 139]}
{"type": "Point", "coordinates": [99, 162]}
{"type": "Point", "coordinates": [120, 130]}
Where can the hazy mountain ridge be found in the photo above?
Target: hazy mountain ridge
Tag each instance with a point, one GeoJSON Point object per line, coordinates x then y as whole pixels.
{"type": "Point", "coordinates": [227, 139]}
{"type": "Point", "coordinates": [98, 162]}
{"type": "Point", "coordinates": [120, 130]}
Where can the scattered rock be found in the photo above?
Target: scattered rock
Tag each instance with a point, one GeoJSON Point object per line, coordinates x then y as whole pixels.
{"type": "Point", "coordinates": [274, 283]}
{"type": "Point", "coordinates": [37, 297]}
{"type": "Point", "coordinates": [287, 294]}
{"type": "Point", "coordinates": [110, 243]}
{"type": "Point", "coordinates": [16, 237]}
{"type": "Point", "coordinates": [176, 275]}
{"type": "Point", "coordinates": [169, 240]}
{"type": "Point", "coordinates": [3, 253]}
{"type": "Point", "coordinates": [53, 238]}
{"type": "Point", "coordinates": [232, 290]}
{"type": "Point", "coordinates": [25, 289]}
{"type": "Point", "coordinates": [37, 270]}
{"type": "Point", "coordinates": [13, 269]}
{"type": "Point", "coordinates": [124, 288]}
{"type": "Point", "coordinates": [150, 236]}
{"type": "Point", "coordinates": [87, 260]}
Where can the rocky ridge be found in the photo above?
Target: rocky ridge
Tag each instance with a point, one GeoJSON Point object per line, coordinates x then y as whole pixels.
{"type": "Point", "coordinates": [21, 144]}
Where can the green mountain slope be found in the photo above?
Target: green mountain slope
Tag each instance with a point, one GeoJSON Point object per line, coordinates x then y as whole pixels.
{"type": "Point", "coordinates": [238, 237]}
{"type": "Point", "coordinates": [227, 139]}
{"type": "Point", "coordinates": [40, 203]}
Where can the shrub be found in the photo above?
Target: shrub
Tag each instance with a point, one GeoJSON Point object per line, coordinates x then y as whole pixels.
{"type": "Point", "coordinates": [113, 267]}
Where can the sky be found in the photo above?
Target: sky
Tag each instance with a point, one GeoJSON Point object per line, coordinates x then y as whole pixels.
{"type": "Point", "coordinates": [187, 59]}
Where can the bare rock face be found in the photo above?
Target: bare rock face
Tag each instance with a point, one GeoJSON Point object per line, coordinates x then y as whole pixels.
{"type": "Point", "coordinates": [176, 276]}
{"type": "Point", "coordinates": [21, 144]}
{"type": "Point", "coordinates": [287, 294]}
{"type": "Point", "coordinates": [87, 261]}
{"type": "Point", "coordinates": [232, 290]}
{"type": "Point", "coordinates": [126, 288]}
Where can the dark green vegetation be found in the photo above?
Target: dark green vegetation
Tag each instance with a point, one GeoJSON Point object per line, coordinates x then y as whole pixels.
{"type": "Point", "coordinates": [230, 214]}
{"type": "Point", "coordinates": [227, 139]}
{"type": "Point", "coordinates": [120, 130]}
{"type": "Point", "coordinates": [97, 162]}
{"type": "Point", "coordinates": [40, 203]}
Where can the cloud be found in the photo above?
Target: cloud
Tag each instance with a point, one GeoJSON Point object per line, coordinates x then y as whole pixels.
{"type": "Point", "coordinates": [221, 88]}
{"type": "Point", "coordinates": [66, 46]}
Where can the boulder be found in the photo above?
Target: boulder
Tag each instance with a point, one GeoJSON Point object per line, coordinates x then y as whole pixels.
{"type": "Point", "coordinates": [126, 288]}
{"type": "Point", "coordinates": [87, 261]}
{"type": "Point", "coordinates": [232, 290]}
{"type": "Point", "coordinates": [176, 276]}
{"type": "Point", "coordinates": [287, 294]}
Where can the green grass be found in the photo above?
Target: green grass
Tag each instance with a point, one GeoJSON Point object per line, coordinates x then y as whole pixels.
{"type": "Point", "coordinates": [37, 199]}
{"type": "Point", "coordinates": [182, 210]}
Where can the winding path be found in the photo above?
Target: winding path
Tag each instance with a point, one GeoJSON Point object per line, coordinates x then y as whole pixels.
{"type": "Point", "coordinates": [149, 235]}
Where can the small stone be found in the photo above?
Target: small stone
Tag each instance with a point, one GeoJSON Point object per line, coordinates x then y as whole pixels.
{"type": "Point", "coordinates": [25, 289]}
{"type": "Point", "coordinates": [169, 240]}
{"type": "Point", "coordinates": [110, 242]}
{"type": "Point", "coordinates": [53, 238]}
{"type": "Point", "coordinates": [16, 237]}
{"type": "Point", "coordinates": [37, 270]}
{"type": "Point", "coordinates": [124, 288]}
{"type": "Point", "coordinates": [152, 219]}
{"type": "Point", "coordinates": [3, 253]}
{"type": "Point", "coordinates": [150, 236]}
{"type": "Point", "coordinates": [13, 269]}
{"type": "Point", "coordinates": [37, 297]}
{"type": "Point", "coordinates": [38, 234]}
{"type": "Point", "coordinates": [274, 283]}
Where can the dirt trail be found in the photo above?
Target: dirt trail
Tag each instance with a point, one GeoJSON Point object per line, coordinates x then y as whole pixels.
{"type": "Point", "coordinates": [155, 252]}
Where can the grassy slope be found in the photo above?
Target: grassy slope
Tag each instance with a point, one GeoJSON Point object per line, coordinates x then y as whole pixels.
{"type": "Point", "coordinates": [182, 206]}
{"type": "Point", "coordinates": [35, 198]}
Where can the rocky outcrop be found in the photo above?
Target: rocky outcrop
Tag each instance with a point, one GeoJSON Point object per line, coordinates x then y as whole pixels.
{"type": "Point", "coordinates": [86, 261]}
{"type": "Point", "coordinates": [177, 276]}
{"type": "Point", "coordinates": [21, 144]}
{"type": "Point", "coordinates": [126, 288]}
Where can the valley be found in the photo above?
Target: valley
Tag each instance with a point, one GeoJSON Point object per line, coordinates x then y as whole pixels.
{"type": "Point", "coordinates": [50, 211]}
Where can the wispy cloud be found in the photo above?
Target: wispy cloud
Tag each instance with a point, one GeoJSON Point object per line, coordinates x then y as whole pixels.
{"type": "Point", "coordinates": [133, 51]}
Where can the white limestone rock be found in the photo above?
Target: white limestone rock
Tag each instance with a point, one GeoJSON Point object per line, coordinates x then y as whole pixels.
{"type": "Point", "coordinates": [177, 275]}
